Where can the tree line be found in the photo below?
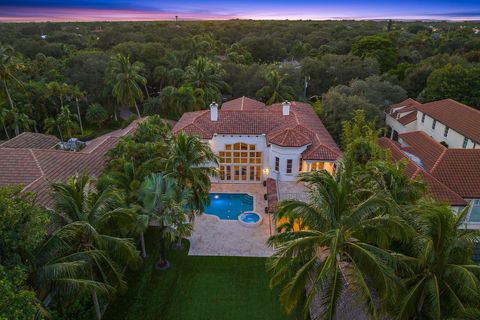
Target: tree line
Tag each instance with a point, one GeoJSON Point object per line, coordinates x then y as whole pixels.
{"type": "Point", "coordinates": [168, 68]}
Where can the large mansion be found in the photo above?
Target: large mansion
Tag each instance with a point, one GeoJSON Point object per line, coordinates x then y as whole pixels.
{"type": "Point", "coordinates": [440, 140]}
{"type": "Point", "coordinates": [256, 142]}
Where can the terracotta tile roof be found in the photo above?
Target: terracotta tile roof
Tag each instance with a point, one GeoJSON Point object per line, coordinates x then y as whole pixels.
{"type": "Point", "coordinates": [423, 146]}
{"type": "Point", "coordinates": [243, 103]}
{"type": "Point", "coordinates": [455, 115]}
{"type": "Point", "coordinates": [37, 168]}
{"type": "Point", "coordinates": [290, 131]}
{"type": "Point", "coordinates": [31, 140]}
{"type": "Point", "coordinates": [289, 137]}
{"type": "Point", "coordinates": [459, 169]}
{"type": "Point", "coordinates": [409, 118]}
{"type": "Point", "coordinates": [438, 190]}
{"type": "Point", "coordinates": [406, 103]}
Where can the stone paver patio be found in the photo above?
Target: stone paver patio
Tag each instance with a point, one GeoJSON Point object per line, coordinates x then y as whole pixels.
{"type": "Point", "coordinates": [214, 237]}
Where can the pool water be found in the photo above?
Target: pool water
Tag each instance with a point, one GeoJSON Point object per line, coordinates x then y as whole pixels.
{"type": "Point", "coordinates": [228, 206]}
{"type": "Point", "coordinates": [250, 218]}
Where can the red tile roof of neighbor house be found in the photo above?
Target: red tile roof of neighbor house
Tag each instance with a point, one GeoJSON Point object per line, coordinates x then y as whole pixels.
{"type": "Point", "coordinates": [438, 190]}
{"type": "Point", "coordinates": [408, 118]}
{"type": "Point", "coordinates": [245, 116]}
{"type": "Point", "coordinates": [423, 146]}
{"type": "Point", "coordinates": [455, 115]}
{"type": "Point", "coordinates": [31, 140]}
{"type": "Point", "coordinates": [36, 168]}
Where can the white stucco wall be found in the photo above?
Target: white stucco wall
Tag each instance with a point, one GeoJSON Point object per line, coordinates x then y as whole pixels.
{"type": "Point", "coordinates": [397, 126]}
{"type": "Point", "coordinates": [453, 139]}
{"type": "Point", "coordinates": [285, 154]}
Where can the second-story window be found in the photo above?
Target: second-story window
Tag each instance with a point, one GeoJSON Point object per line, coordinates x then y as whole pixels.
{"type": "Point", "coordinates": [445, 132]}
{"type": "Point", "coordinates": [289, 165]}
{"type": "Point", "coordinates": [465, 142]}
{"type": "Point", "coordinates": [277, 164]}
{"type": "Point", "coordinates": [434, 124]}
{"type": "Point", "coordinates": [423, 117]}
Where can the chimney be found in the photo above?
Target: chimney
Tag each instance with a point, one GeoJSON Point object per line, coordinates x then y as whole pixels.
{"type": "Point", "coordinates": [286, 108]}
{"type": "Point", "coordinates": [213, 111]}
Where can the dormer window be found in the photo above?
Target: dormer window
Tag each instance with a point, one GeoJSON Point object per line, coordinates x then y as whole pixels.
{"type": "Point", "coordinates": [465, 143]}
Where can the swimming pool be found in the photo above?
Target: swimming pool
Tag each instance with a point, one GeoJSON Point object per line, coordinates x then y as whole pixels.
{"type": "Point", "coordinates": [228, 206]}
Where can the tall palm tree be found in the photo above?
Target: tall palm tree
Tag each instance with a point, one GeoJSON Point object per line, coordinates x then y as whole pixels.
{"type": "Point", "coordinates": [92, 220]}
{"type": "Point", "coordinates": [336, 245]}
{"type": "Point", "coordinates": [192, 163]}
{"type": "Point", "coordinates": [207, 75]}
{"type": "Point", "coordinates": [52, 125]}
{"type": "Point", "coordinates": [4, 114]}
{"type": "Point", "coordinates": [128, 181]}
{"type": "Point", "coordinates": [20, 120]}
{"type": "Point", "coordinates": [65, 123]}
{"type": "Point", "coordinates": [166, 204]}
{"type": "Point", "coordinates": [127, 81]}
{"type": "Point", "coordinates": [7, 69]}
{"type": "Point", "coordinates": [276, 89]}
{"type": "Point", "coordinates": [442, 281]}
{"type": "Point", "coordinates": [78, 95]}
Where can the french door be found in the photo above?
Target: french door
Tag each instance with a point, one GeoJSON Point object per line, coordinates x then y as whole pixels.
{"type": "Point", "coordinates": [240, 162]}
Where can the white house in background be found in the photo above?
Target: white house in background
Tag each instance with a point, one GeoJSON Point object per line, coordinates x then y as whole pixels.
{"type": "Point", "coordinates": [452, 175]}
{"type": "Point", "coordinates": [447, 121]}
{"type": "Point", "coordinates": [255, 142]}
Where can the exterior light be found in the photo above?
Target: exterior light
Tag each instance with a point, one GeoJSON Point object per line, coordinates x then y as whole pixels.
{"type": "Point", "coordinates": [265, 172]}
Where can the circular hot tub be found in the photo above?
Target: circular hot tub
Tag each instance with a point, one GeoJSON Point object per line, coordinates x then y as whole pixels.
{"type": "Point", "coordinates": [250, 219]}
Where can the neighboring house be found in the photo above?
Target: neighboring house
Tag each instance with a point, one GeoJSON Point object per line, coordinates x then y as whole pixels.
{"type": "Point", "coordinates": [451, 175]}
{"type": "Point", "coordinates": [255, 142]}
{"type": "Point", "coordinates": [447, 121]}
{"type": "Point", "coordinates": [31, 160]}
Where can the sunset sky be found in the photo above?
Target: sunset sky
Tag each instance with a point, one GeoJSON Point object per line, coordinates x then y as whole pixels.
{"type": "Point", "coordinates": [87, 10]}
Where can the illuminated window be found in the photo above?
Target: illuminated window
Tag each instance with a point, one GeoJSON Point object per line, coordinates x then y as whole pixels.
{"type": "Point", "coordinates": [247, 163]}
{"type": "Point", "coordinates": [289, 166]}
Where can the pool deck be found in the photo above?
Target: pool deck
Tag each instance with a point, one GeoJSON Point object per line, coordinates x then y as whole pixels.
{"type": "Point", "coordinates": [214, 237]}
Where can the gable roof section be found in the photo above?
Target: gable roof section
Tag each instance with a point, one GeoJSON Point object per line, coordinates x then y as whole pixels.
{"type": "Point", "coordinates": [31, 140]}
{"type": "Point", "coordinates": [243, 103]}
{"type": "Point", "coordinates": [408, 118]}
{"type": "Point", "coordinates": [301, 127]}
{"type": "Point", "coordinates": [408, 103]}
{"type": "Point", "coordinates": [423, 146]}
{"type": "Point", "coordinates": [456, 116]}
{"type": "Point", "coordinates": [437, 189]}
{"type": "Point", "coordinates": [459, 169]}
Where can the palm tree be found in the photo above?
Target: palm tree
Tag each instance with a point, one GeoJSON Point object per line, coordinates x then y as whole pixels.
{"type": "Point", "coordinates": [92, 220]}
{"type": "Point", "coordinates": [276, 89]}
{"type": "Point", "coordinates": [442, 281]}
{"type": "Point", "coordinates": [207, 75]}
{"type": "Point", "coordinates": [78, 95]}
{"type": "Point", "coordinates": [166, 204]}
{"type": "Point", "coordinates": [7, 69]}
{"type": "Point", "coordinates": [4, 114]}
{"type": "Point", "coordinates": [20, 120]}
{"type": "Point", "coordinates": [335, 244]}
{"type": "Point", "coordinates": [192, 163]}
{"type": "Point", "coordinates": [128, 180]}
{"type": "Point", "coordinates": [52, 125]}
{"type": "Point", "coordinates": [127, 81]}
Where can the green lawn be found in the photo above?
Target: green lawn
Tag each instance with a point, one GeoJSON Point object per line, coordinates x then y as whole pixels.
{"type": "Point", "coordinates": [199, 288]}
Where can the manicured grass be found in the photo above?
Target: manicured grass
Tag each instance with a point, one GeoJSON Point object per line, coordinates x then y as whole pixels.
{"type": "Point", "coordinates": [200, 288]}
